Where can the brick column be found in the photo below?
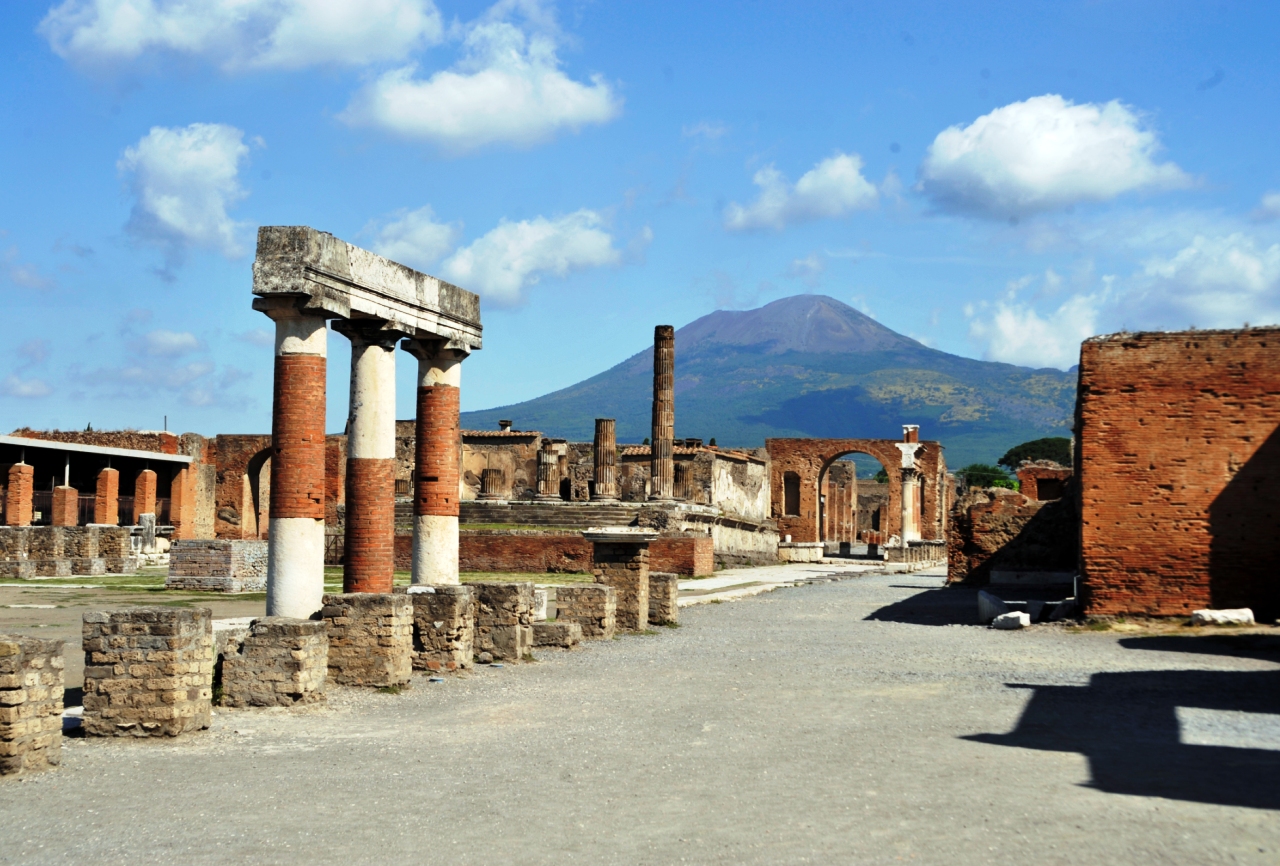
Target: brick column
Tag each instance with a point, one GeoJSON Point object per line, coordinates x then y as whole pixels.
{"type": "Point", "coordinates": [620, 559]}
{"type": "Point", "coordinates": [369, 560]}
{"type": "Point", "coordinates": [295, 546]}
{"type": "Point", "coordinates": [17, 502]}
{"type": "Point", "coordinates": [106, 499]}
{"type": "Point", "coordinates": [661, 468]}
{"type": "Point", "coordinates": [605, 452]}
{"type": "Point", "coordinates": [66, 506]}
{"type": "Point", "coordinates": [182, 503]}
{"type": "Point", "coordinates": [144, 495]}
{"type": "Point", "coordinates": [437, 474]}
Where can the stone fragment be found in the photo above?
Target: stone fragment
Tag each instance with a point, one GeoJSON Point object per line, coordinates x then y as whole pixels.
{"type": "Point", "coordinates": [1012, 620]}
{"type": "Point", "coordinates": [565, 635]}
{"type": "Point", "coordinates": [990, 606]}
{"type": "Point", "coordinates": [370, 638]}
{"type": "Point", "coordinates": [1230, 616]}
{"type": "Point", "coordinates": [282, 662]}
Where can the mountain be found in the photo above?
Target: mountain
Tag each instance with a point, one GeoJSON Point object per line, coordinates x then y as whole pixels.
{"type": "Point", "coordinates": [809, 365]}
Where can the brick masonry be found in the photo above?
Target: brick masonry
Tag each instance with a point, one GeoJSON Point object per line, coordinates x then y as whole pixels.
{"type": "Point", "coordinates": [1043, 480]}
{"type": "Point", "coordinates": [1003, 530]}
{"type": "Point", "coordinates": [593, 607]}
{"type": "Point", "coordinates": [369, 541]}
{"type": "Point", "coordinates": [664, 591]}
{"type": "Point", "coordinates": [625, 567]}
{"type": "Point", "coordinates": [144, 494]}
{"type": "Point", "coordinates": [567, 552]}
{"type": "Point", "coordinates": [17, 500]}
{"type": "Point", "coordinates": [1178, 461]}
{"type": "Point", "coordinates": [297, 437]}
{"type": "Point", "coordinates": [222, 565]}
{"type": "Point", "coordinates": [436, 479]}
{"type": "Point", "coordinates": [504, 619]}
{"type": "Point", "coordinates": [66, 506]}
{"type": "Point", "coordinates": [282, 662]}
{"type": "Point", "coordinates": [106, 499]}
{"type": "Point", "coordinates": [370, 638]}
{"type": "Point", "coordinates": [31, 687]}
{"type": "Point", "coordinates": [148, 671]}
{"type": "Point", "coordinates": [444, 628]}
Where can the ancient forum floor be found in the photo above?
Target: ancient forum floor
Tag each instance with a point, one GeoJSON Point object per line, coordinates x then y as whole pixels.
{"type": "Point", "coordinates": [832, 723]}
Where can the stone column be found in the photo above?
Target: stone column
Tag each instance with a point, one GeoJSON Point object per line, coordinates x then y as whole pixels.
{"type": "Point", "coordinates": [18, 498]}
{"type": "Point", "coordinates": [66, 506]}
{"type": "Point", "coordinates": [369, 545]}
{"type": "Point", "coordinates": [295, 546]}
{"type": "Point", "coordinates": [605, 451]}
{"type": "Point", "coordinates": [548, 473]}
{"type": "Point", "coordinates": [144, 495]}
{"type": "Point", "coordinates": [437, 475]}
{"type": "Point", "coordinates": [661, 468]}
{"type": "Point", "coordinates": [491, 484]}
{"type": "Point", "coordinates": [910, 506]}
{"type": "Point", "coordinates": [620, 559]}
{"type": "Point", "coordinates": [106, 499]}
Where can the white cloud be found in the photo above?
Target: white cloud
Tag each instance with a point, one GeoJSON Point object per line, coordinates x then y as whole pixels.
{"type": "Point", "coordinates": [1015, 333]}
{"type": "Point", "coordinates": [833, 188]}
{"type": "Point", "coordinates": [14, 386]}
{"type": "Point", "coordinates": [170, 344]}
{"type": "Point", "coordinates": [808, 269]}
{"type": "Point", "coordinates": [22, 273]}
{"type": "Point", "coordinates": [1269, 208]}
{"type": "Point", "coordinates": [259, 337]}
{"type": "Point", "coordinates": [709, 130]}
{"type": "Point", "coordinates": [183, 180]}
{"type": "Point", "coordinates": [1044, 154]}
{"type": "Point", "coordinates": [508, 88]}
{"type": "Point", "coordinates": [416, 239]}
{"type": "Point", "coordinates": [238, 34]}
{"type": "Point", "coordinates": [1214, 281]}
{"type": "Point", "coordinates": [514, 255]}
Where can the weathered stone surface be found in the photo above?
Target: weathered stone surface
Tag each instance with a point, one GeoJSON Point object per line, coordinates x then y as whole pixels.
{"type": "Point", "coordinates": [565, 635]}
{"type": "Point", "coordinates": [282, 662]}
{"type": "Point", "coordinates": [664, 594]}
{"type": "Point", "coordinates": [370, 638]}
{"type": "Point", "coordinates": [624, 565]}
{"type": "Point", "coordinates": [997, 530]}
{"type": "Point", "coordinates": [1012, 620]}
{"type": "Point", "coordinates": [221, 565]}
{"type": "Point", "coordinates": [593, 607]}
{"type": "Point", "coordinates": [31, 686]}
{"type": "Point", "coordinates": [504, 619]}
{"type": "Point", "coordinates": [1237, 616]}
{"type": "Point", "coordinates": [148, 671]}
{"type": "Point", "coordinates": [990, 607]}
{"type": "Point", "coordinates": [444, 627]}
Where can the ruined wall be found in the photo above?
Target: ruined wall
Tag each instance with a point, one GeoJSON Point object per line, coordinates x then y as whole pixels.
{"type": "Point", "coordinates": [1043, 479]}
{"type": "Point", "coordinates": [136, 440]}
{"type": "Point", "coordinates": [514, 453]}
{"type": "Point", "coordinates": [872, 497]}
{"type": "Point", "coordinates": [740, 486]}
{"type": "Point", "coordinates": [1178, 468]}
{"type": "Point", "coordinates": [560, 552]}
{"type": "Point", "coordinates": [1001, 530]}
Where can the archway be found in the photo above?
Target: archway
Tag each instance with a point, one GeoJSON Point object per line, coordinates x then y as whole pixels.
{"type": "Point", "coordinates": [258, 476]}
{"type": "Point", "coordinates": [849, 512]}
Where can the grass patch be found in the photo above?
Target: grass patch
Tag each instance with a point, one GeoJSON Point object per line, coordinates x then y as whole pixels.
{"type": "Point", "coordinates": [671, 625]}
{"type": "Point", "coordinates": [649, 632]}
{"type": "Point", "coordinates": [528, 657]}
{"type": "Point", "coordinates": [390, 690]}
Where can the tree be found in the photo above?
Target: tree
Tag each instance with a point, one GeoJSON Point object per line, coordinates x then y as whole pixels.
{"type": "Point", "coordinates": [881, 477]}
{"type": "Point", "coordinates": [1055, 448]}
{"type": "Point", "coordinates": [982, 475]}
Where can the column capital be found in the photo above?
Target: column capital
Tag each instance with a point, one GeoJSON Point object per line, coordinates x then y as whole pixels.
{"type": "Point", "coordinates": [433, 348]}
{"type": "Point", "coordinates": [368, 332]}
{"type": "Point", "coordinates": [286, 307]}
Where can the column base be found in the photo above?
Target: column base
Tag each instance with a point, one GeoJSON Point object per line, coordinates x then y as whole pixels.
{"type": "Point", "coordinates": [435, 550]}
{"type": "Point", "coordinates": [547, 497]}
{"type": "Point", "coordinates": [295, 566]}
{"type": "Point", "coordinates": [602, 498]}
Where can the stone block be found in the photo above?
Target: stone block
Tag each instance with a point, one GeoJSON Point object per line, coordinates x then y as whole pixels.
{"type": "Point", "coordinates": [19, 568]}
{"type": "Point", "coordinates": [990, 606]}
{"type": "Point", "coordinates": [90, 566]}
{"type": "Point", "coordinates": [444, 627]}
{"type": "Point", "coordinates": [564, 635]}
{"type": "Point", "coordinates": [539, 604]}
{"type": "Point", "coordinates": [664, 594]}
{"type": "Point", "coordinates": [148, 671]}
{"type": "Point", "coordinates": [46, 542]}
{"type": "Point", "coordinates": [370, 638]}
{"type": "Point", "coordinates": [1012, 620]}
{"type": "Point", "coordinates": [13, 542]}
{"type": "Point", "coordinates": [31, 687]}
{"type": "Point", "coordinates": [282, 662]}
{"type": "Point", "coordinates": [504, 619]}
{"type": "Point", "coordinates": [221, 565]}
{"type": "Point", "coordinates": [80, 542]}
{"type": "Point", "coordinates": [591, 606]}
{"type": "Point", "coordinates": [1237, 616]}
{"type": "Point", "coordinates": [51, 567]}
{"type": "Point", "coordinates": [625, 567]}
{"type": "Point", "coordinates": [113, 542]}
{"type": "Point", "coordinates": [122, 564]}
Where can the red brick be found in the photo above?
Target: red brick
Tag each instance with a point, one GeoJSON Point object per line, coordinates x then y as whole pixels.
{"type": "Point", "coordinates": [369, 545]}
{"type": "Point", "coordinates": [297, 437]}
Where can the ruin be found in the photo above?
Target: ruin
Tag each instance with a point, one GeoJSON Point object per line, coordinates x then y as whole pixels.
{"type": "Point", "coordinates": [31, 689]}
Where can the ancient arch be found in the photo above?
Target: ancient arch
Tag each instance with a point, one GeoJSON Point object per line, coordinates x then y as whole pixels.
{"type": "Point", "coordinates": [809, 459]}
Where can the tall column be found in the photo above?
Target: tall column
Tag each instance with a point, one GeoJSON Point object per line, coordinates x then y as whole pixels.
{"type": "Point", "coordinates": [605, 451]}
{"type": "Point", "coordinates": [106, 498]}
{"type": "Point", "coordinates": [437, 475]}
{"type": "Point", "coordinates": [18, 498]}
{"type": "Point", "coordinates": [910, 505]}
{"type": "Point", "coordinates": [661, 468]}
{"type": "Point", "coordinates": [295, 545]}
{"type": "Point", "coordinates": [368, 551]}
{"type": "Point", "coordinates": [144, 495]}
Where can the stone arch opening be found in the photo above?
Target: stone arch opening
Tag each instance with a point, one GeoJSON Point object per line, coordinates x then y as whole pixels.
{"type": "Point", "coordinates": [841, 511]}
{"type": "Point", "coordinates": [791, 494]}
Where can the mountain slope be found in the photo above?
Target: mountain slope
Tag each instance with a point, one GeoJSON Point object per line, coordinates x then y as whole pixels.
{"type": "Point", "coordinates": [809, 365]}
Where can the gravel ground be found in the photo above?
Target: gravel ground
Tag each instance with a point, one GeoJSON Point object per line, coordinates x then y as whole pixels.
{"type": "Point", "coordinates": [846, 722]}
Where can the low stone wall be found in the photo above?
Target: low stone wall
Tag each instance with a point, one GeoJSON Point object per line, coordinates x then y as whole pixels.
{"type": "Point", "coordinates": [64, 551]}
{"type": "Point", "coordinates": [739, 543]}
{"type": "Point", "coordinates": [694, 556]}
{"type": "Point", "coordinates": [593, 607]}
{"type": "Point", "coordinates": [31, 686]}
{"type": "Point", "coordinates": [917, 551]}
{"type": "Point", "coordinates": [800, 551]}
{"type": "Point", "coordinates": [148, 671]}
{"type": "Point", "coordinates": [664, 593]}
{"type": "Point", "coordinates": [625, 567]}
{"type": "Point", "coordinates": [218, 566]}
{"type": "Point", "coordinates": [560, 635]}
{"type": "Point", "coordinates": [533, 551]}
{"type": "Point", "coordinates": [1003, 530]}
{"type": "Point", "coordinates": [282, 662]}
{"type": "Point", "coordinates": [444, 627]}
{"type": "Point", "coordinates": [504, 619]}
{"type": "Point", "coordinates": [370, 638]}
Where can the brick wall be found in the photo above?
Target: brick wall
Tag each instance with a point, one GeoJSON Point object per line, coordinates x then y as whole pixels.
{"type": "Point", "coordinates": [1178, 462]}
{"type": "Point", "coordinates": [1002, 530]}
{"type": "Point", "coordinates": [1042, 480]}
{"type": "Point", "coordinates": [298, 459]}
{"type": "Point", "coordinates": [567, 553]}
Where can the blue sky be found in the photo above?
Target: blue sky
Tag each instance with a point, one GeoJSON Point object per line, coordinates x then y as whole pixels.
{"type": "Point", "coordinates": [997, 180]}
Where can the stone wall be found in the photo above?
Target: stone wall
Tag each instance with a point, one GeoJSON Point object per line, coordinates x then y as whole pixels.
{"type": "Point", "coordinates": [148, 671]}
{"type": "Point", "coordinates": [625, 567]}
{"type": "Point", "coordinates": [531, 551]}
{"type": "Point", "coordinates": [282, 662]}
{"type": "Point", "coordinates": [370, 638]}
{"type": "Point", "coordinates": [1001, 530]}
{"type": "Point", "coordinates": [31, 688]}
{"type": "Point", "coordinates": [513, 453]}
{"type": "Point", "coordinates": [62, 551]}
{"type": "Point", "coordinates": [664, 594]}
{"type": "Point", "coordinates": [444, 627]}
{"type": "Point", "coordinates": [1043, 479]}
{"type": "Point", "coordinates": [504, 619]}
{"type": "Point", "coordinates": [1178, 468]}
{"type": "Point", "coordinates": [222, 565]}
{"type": "Point", "coordinates": [594, 607]}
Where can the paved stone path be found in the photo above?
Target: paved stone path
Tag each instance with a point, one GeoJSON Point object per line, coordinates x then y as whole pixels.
{"type": "Point", "coordinates": [847, 722]}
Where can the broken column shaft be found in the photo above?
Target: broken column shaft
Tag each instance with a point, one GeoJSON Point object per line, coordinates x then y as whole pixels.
{"type": "Point", "coordinates": [605, 451]}
{"type": "Point", "coordinates": [661, 467]}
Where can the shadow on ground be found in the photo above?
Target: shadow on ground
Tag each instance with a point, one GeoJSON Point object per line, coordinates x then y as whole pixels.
{"type": "Point", "coordinates": [953, 605]}
{"type": "Point", "coordinates": [1128, 725]}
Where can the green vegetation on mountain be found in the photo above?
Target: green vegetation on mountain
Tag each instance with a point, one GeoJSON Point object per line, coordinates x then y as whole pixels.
{"type": "Point", "coordinates": [1055, 448]}
{"type": "Point", "coordinates": [809, 365]}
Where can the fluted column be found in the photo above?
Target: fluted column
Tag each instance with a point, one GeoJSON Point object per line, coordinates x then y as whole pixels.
{"type": "Point", "coordinates": [910, 505]}
{"type": "Point", "coordinates": [661, 467]}
{"type": "Point", "coordinates": [605, 452]}
{"type": "Point", "coordinates": [548, 472]}
{"type": "Point", "coordinates": [295, 546]}
{"type": "Point", "coordinates": [492, 484]}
